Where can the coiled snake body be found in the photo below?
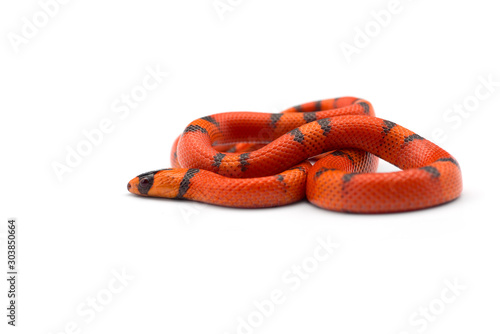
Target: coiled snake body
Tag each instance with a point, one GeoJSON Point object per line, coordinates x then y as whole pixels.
{"type": "Point", "coordinates": [254, 160]}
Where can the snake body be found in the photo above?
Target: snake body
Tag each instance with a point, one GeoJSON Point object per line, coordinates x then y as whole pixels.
{"type": "Point", "coordinates": [253, 160]}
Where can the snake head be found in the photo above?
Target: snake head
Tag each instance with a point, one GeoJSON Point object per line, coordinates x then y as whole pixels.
{"type": "Point", "coordinates": [158, 183]}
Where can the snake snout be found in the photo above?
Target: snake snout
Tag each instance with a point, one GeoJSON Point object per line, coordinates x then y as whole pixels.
{"type": "Point", "coordinates": [133, 186]}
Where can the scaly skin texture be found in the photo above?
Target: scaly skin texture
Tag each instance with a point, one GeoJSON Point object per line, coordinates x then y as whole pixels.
{"type": "Point", "coordinates": [250, 160]}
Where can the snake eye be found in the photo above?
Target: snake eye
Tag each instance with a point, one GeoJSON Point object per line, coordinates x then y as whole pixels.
{"type": "Point", "coordinates": [145, 183]}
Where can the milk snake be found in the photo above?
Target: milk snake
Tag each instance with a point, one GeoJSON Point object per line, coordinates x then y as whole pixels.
{"type": "Point", "coordinates": [256, 160]}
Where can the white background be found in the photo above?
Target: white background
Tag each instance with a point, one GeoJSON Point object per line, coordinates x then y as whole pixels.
{"type": "Point", "coordinates": [198, 268]}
